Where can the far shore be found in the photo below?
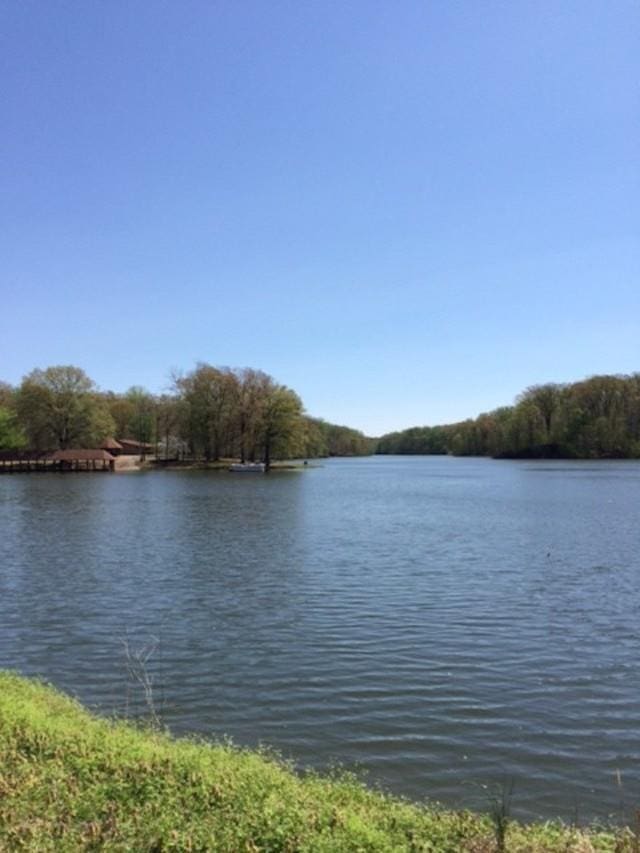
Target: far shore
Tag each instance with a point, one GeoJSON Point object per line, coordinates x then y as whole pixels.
{"type": "Point", "coordinates": [154, 464]}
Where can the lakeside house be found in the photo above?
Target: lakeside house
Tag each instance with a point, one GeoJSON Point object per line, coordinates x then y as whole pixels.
{"type": "Point", "coordinates": [126, 447]}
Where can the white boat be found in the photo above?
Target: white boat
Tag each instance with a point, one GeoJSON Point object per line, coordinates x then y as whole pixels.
{"type": "Point", "coordinates": [248, 467]}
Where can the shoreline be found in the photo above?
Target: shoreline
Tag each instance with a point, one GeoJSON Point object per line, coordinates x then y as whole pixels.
{"type": "Point", "coordinates": [133, 464]}
{"type": "Point", "coordinates": [72, 780]}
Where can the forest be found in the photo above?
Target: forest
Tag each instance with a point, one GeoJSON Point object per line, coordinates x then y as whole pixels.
{"type": "Point", "coordinates": [596, 418]}
{"type": "Point", "coordinates": [211, 413]}
{"type": "Point", "coordinates": [208, 414]}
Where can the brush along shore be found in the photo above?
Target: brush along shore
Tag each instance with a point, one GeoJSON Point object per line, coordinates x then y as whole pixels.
{"type": "Point", "coordinates": [71, 781]}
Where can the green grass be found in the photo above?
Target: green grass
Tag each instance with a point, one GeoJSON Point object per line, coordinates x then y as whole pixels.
{"type": "Point", "coordinates": [71, 781]}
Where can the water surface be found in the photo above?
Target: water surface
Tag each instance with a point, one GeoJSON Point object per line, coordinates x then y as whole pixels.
{"type": "Point", "coordinates": [442, 625]}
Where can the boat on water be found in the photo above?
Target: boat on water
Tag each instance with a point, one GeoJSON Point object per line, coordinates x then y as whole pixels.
{"type": "Point", "coordinates": [248, 468]}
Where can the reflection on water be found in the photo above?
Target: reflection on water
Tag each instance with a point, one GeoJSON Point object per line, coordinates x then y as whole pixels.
{"type": "Point", "coordinates": [440, 623]}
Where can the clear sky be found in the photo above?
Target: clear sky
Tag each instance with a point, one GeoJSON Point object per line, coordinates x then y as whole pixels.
{"type": "Point", "coordinates": [408, 211]}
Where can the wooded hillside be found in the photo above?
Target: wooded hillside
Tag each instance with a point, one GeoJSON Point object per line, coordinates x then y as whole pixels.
{"type": "Point", "coordinates": [598, 418]}
{"type": "Point", "coordinates": [210, 413]}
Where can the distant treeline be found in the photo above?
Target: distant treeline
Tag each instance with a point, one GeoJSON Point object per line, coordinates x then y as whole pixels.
{"type": "Point", "coordinates": [210, 413]}
{"type": "Point", "coordinates": [219, 412]}
{"type": "Point", "coordinates": [598, 418]}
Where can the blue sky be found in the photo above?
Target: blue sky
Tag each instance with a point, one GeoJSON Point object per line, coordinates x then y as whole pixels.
{"type": "Point", "coordinates": [407, 211]}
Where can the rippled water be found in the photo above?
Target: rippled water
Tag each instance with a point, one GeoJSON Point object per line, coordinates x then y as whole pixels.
{"type": "Point", "coordinates": [442, 624]}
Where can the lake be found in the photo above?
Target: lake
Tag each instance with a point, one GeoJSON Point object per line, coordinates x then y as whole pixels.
{"type": "Point", "coordinates": [441, 626]}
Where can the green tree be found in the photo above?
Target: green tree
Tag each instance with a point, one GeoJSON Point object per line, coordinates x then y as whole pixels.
{"type": "Point", "coordinates": [281, 426]}
{"type": "Point", "coordinates": [209, 395]}
{"type": "Point", "coordinates": [345, 441]}
{"type": "Point", "coordinates": [121, 410]}
{"type": "Point", "coordinates": [168, 416]}
{"type": "Point", "coordinates": [59, 407]}
{"type": "Point", "coordinates": [547, 399]}
{"type": "Point", "coordinates": [11, 436]}
{"type": "Point", "coordinates": [315, 440]}
{"type": "Point", "coordinates": [142, 418]}
{"type": "Point", "coordinates": [7, 395]}
{"type": "Point", "coordinates": [252, 390]}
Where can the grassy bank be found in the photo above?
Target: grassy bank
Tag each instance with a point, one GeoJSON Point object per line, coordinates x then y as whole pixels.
{"type": "Point", "coordinates": [70, 781]}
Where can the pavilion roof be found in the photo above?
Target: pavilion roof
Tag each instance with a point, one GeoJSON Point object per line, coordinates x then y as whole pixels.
{"type": "Point", "coordinates": [111, 444]}
{"type": "Point", "coordinates": [132, 442]}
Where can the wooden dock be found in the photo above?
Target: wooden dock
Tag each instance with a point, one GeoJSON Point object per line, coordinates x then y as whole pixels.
{"type": "Point", "coordinates": [23, 461]}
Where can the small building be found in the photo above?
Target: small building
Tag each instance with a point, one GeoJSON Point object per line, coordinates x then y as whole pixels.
{"type": "Point", "coordinates": [111, 446]}
{"type": "Point", "coordinates": [83, 460]}
{"type": "Point", "coordinates": [131, 447]}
